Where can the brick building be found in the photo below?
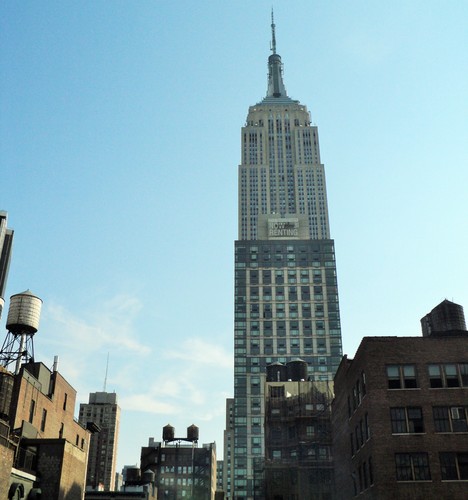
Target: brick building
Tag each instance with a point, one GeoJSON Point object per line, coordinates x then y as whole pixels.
{"type": "Point", "coordinates": [50, 447]}
{"type": "Point", "coordinates": [181, 470]}
{"type": "Point", "coordinates": [400, 418]}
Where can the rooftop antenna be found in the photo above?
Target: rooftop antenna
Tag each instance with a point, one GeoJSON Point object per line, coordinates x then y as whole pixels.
{"type": "Point", "coordinates": [273, 37]}
{"type": "Point", "coordinates": [107, 369]}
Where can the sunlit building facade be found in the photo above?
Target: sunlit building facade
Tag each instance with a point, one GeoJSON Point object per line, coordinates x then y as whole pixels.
{"type": "Point", "coordinates": [102, 410]}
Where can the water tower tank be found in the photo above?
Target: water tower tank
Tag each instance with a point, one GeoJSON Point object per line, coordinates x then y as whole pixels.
{"type": "Point", "coordinates": [277, 372]}
{"type": "Point", "coordinates": [133, 474]}
{"type": "Point", "coordinates": [6, 391]}
{"type": "Point", "coordinates": [168, 433]}
{"type": "Point", "coordinates": [192, 433]}
{"type": "Point", "coordinates": [24, 313]}
{"type": "Point", "coordinates": [297, 370]}
{"type": "Point", "coordinates": [147, 476]}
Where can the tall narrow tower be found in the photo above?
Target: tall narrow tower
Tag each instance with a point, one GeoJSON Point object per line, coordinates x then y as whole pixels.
{"type": "Point", "coordinates": [103, 410]}
{"type": "Point", "coordinates": [286, 296]}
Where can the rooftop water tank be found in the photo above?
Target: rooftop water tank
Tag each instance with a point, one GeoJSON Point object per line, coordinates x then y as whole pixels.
{"type": "Point", "coordinates": [192, 433]}
{"type": "Point", "coordinates": [133, 474]}
{"type": "Point", "coordinates": [297, 370]}
{"type": "Point", "coordinates": [147, 476]}
{"type": "Point", "coordinates": [24, 313]}
{"type": "Point", "coordinates": [276, 372]}
{"type": "Point", "coordinates": [168, 433]}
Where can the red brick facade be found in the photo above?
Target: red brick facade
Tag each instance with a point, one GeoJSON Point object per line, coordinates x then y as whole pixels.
{"type": "Point", "coordinates": [53, 447]}
{"type": "Point", "coordinates": [399, 432]}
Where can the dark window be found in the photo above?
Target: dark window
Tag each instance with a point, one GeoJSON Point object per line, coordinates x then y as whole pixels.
{"type": "Point", "coordinates": [406, 420]}
{"type": "Point", "coordinates": [454, 466]}
{"type": "Point", "coordinates": [32, 407]}
{"type": "Point", "coordinates": [448, 375]}
{"type": "Point", "coordinates": [412, 467]}
{"type": "Point", "coordinates": [65, 401]}
{"type": "Point", "coordinates": [366, 424]}
{"type": "Point", "coordinates": [44, 419]}
{"type": "Point", "coordinates": [450, 419]}
{"type": "Point", "coordinates": [464, 373]}
{"type": "Point", "coordinates": [401, 377]}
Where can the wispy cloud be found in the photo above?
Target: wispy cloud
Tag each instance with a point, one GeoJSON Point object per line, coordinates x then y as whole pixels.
{"type": "Point", "coordinates": [144, 402]}
{"type": "Point", "coordinates": [196, 350]}
{"type": "Point", "coordinates": [109, 326]}
{"type": "Point", "coordinates": [157, 381]}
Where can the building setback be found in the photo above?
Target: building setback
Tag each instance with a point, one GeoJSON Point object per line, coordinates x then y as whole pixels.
{"type": "Point", "coordinates": [102, 410]}
{"type": "Point", "coordinates": [286, 296]}
{"type": "Point", "coordinates": [400, 418]}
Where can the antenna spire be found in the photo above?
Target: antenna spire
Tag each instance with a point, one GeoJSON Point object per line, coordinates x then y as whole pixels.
{"type": "Point", "coordinates": [107, 369]}
{"type": "Point", "coordinates": [273, 37]}
{"type": "Point", "coordinates": [275, 67]}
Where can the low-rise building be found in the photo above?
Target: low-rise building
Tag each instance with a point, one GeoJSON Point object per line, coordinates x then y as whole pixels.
{"type": "Point", "coordinates": [50, 446]}
{"type": "Point", "coordinates": [181, 468]}
{"type": "Point", "coordinates": [400, 418]}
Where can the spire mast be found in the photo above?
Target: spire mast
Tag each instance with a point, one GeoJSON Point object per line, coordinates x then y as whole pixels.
{"type": "Point", "coordinates": [273, 37]}
{"type": "Point", "coordinates": [107, 369]}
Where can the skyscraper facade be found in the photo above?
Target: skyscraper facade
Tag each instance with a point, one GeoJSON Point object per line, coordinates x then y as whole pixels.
{"type": "Point", "coordinates": [102, 410]}
{"type": "Point", "coordinates": [6, 241]}
{"type": "Point", "coordinates": [286, 296]}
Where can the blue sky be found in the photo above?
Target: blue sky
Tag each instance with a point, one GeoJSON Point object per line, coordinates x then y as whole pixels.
{"type": "Point", "coordinates": [119, 145]}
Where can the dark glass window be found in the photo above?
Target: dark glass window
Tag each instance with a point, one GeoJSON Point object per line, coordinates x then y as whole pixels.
{"type": "Point", "coordinates": [401, 377]}
{"type": "Point", "coordinates": [406, 420]}
{"type": "Point", "coordinates": [412, 467]}
{"type": "Point", "coordinates": [450, 419]}
{"type": "Point", "coordinates": [454, 466]}
{"type": "Point", "coordinates": [448, 375]}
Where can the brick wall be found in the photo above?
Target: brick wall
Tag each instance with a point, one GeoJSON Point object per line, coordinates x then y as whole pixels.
{"type": "Point", "coordinates": [373, 355]}
{"type": "Point", "coordinates": [6, 463]}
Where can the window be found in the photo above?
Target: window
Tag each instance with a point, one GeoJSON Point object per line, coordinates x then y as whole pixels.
{"type": "Point", "coordinates": [450, 419]}
{"type": "Point", "coordinates": [448, 375]}
{"type": "Point", "coordinates": [371, 472]}
{"type": "Point", "coordinates": [412, 467]}
{"type": "Point", "coordinates": [401, 377]}
{"type": "Point", "coordinates": [43, 419]}
{"type": "Point", "coordinates": [406, 420]}
{"type": "Point", "coordinates": [366, 426]}
{"type": "Point", "coordinates": [454, 466]}
{"type": "Point", "coordinates": [32, 407]}
{"type": "Point", "coordinates": [65, 401]}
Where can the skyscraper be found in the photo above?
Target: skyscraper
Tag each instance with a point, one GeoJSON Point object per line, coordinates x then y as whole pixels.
{"type": "Point", "coordinates": [286, 296]}
{"type": "Point", "coordinates": [6, 241]}
{"type": "Point", "coordinates": [104, 411]}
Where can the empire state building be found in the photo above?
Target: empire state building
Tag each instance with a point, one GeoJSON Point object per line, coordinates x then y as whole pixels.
{"type": "Point", "coordinates": [286, 295]}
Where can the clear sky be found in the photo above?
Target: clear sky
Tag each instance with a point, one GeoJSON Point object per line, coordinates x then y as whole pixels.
{"type": "Point", "coordinates": [119, 145]}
